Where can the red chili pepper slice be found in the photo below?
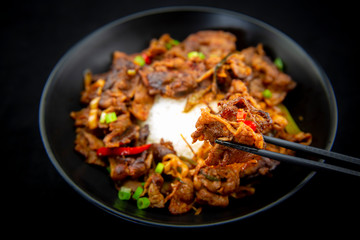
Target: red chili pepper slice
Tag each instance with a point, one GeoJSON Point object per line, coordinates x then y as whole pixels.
{"type": "Point", "coordinates": [104, 151]}
{"type": "Point", "coordinates": [241, 115]}
{"type": "Point", "coordinates": [250, 124]}
{"type": "Point", "coordinates": [146, 58]}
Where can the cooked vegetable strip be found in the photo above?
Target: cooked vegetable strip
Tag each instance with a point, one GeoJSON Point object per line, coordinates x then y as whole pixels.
{"type": "Point", "coordinates": [93, 114]}
{"type": "Point", "coordinates": [104, 151]}
{"type": "Point", "coordinates": [207, 74]}
{"type": "Point", "coordinates": [194, 98]}
{"type": "Point", "coordinates": [209, 177]}
{"type": "Point", "coordinates": [102, 117]}
{"type": "Point", "coordinates": [214, 83]}
{"type": "Point", "coordinates": [98, 85]}
{"type": "Point", "coordinates": [191, 149]}
{"type": "Point", "coordinates": [174, 166]}
{"type": "Point", "coordinates": [291, 127]}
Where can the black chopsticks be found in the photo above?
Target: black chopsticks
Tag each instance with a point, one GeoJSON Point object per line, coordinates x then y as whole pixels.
{"type": "Point", "coordinates": [311, 150]}
{"type": "Point", "coordinates": [314, 165]}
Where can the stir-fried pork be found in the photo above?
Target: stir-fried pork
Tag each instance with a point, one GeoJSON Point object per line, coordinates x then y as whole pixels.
{"type": "Point", "coordinates": [204, 68]}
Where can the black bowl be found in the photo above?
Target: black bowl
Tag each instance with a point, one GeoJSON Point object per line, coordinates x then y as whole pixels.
{"type": "Point", "coordinates": [313, 99]}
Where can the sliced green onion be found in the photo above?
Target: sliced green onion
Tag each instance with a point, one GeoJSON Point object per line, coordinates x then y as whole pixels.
{"type": "Point", "coordinates": [201, 56]}
{"type": "Point", "coordinates": [195, 54]}
{"type": "Point", "coordinates": [291, 127]}
{"type": "Point", "coordinates": [110, 117]}
{"type": "Point", "coordinates": [143, 203]}
{"type": "Point", "coordinates": [168, 46]}
{"type": "Point", "coordinates": [124, 193]}
{"type": "Point", "coordinates": [172, 43]}
{"type": "Point", "coordinates": [159, 168]}
{"type": "Point", "coordinates": [139, 60]}
{"type": "Point", "coordinates": [192, 54]}
{"type": "Point", "coordinates": [267, 93]}
{"type": "Point", "coordinates": [279, 63]}
{"type": "Point", "coordinates": [102, 117]}
{"type": "Point", "coordinates": [139, 190]}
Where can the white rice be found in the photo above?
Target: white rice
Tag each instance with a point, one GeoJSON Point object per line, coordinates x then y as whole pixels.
{"type": "Point", "coordinates": [168, 121]}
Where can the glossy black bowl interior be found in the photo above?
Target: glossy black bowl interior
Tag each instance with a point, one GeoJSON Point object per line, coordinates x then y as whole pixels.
{"type": "Point", "coordinates": [313, 99]}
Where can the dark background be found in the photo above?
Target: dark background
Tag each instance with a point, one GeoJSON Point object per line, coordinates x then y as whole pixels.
{"type": "Point", "coordinates": [36, 34]}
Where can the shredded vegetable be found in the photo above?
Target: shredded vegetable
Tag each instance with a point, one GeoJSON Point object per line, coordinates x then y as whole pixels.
{"type": "Point", "coordinates": [174, 166]}
{"type": "Point", "coordinates": [291, 127]}
{"type": "Point", "coordinates": [217, 66]}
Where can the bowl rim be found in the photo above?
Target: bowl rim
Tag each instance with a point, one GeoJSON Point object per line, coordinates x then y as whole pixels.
{"type": "Point", "coordinates": [324, 80]}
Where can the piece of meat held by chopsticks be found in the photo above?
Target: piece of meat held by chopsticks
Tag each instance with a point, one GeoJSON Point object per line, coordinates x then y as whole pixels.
{"type": "Point", "coordinates": [237, 121]}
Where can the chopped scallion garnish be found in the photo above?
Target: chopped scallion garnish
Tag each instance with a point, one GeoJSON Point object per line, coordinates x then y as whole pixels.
{"type": "Point", "coordinates": [279, 63]}
{"type": "Point", "coordinates": [159, 168]}
{"type": "Point", "coordinates": [143, 203]}
{"type": "Point", "coordinates": [168, 46]}
{"type": "Point", "coordinates": [124, 193]}
{"type": "Point", "coordinates": [195, 54]}
{"type": "Point", "coordinates": [267, 93]}
{"type": "Point", "coordinates": [139, 60]}
{"type": "Point", "coordinates": [172, 43]}
{"type": "Point", "coordinates": [139, 190]}
{"type": "Point", "coordinates": [110, 117]}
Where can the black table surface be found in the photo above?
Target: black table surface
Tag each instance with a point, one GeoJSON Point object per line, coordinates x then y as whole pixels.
{"type": "Point", "coordinates": [35, 34]}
